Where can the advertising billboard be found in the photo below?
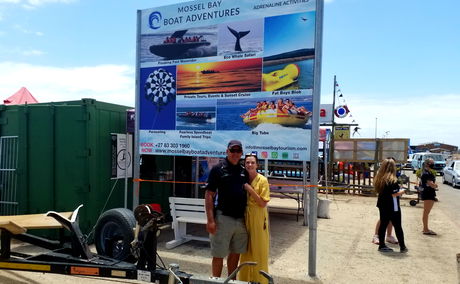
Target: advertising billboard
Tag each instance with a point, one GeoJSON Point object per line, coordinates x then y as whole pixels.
{"type": "Point", "coordinates": [213, 71]}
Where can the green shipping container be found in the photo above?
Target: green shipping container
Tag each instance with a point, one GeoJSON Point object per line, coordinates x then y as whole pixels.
{"type": "Point", "coordinates": [57, 156]}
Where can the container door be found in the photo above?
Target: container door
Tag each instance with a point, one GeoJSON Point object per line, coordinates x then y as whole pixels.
{"type": "Point", "coordinates": [71, 173]}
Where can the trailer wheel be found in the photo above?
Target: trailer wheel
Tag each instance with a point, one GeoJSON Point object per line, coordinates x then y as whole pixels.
{"type": "Point", "coordinates": [114, 233]}
{"type": "Point", "coordinates": [413, 202]}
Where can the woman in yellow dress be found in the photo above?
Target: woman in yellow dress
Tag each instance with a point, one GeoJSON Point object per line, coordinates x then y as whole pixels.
{"type": "Point", "coordinates": [256, 223]}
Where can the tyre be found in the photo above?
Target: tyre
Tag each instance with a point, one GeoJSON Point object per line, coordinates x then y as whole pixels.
{"type": "Point", "coordinates": [413, 202]}
{"type": "Point", "coordinates": [114, 233]}
{"type": "Point", "coordinates": [444, 181]}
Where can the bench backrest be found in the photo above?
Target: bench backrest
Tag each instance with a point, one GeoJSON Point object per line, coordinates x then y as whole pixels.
{"type": "Point", "coordinates": [187, 207]}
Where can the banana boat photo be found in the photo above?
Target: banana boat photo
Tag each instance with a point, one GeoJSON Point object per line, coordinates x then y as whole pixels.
{"type": "Point", "coordinates": [282, 112]}
{"type": "Point", "coordinates": [280, 79]}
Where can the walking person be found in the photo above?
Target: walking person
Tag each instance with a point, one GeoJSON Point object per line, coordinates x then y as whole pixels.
{"type": "Point", "coordinates": [257, 223]}
{"type": "Point", "coordinates": [390, 238]}
{"type": "Point", "coordinates": [387, 187]}
{"type": "Point", "coordinates": [225, 202]}
{"type": "Point", "coordinates": [428, 194]}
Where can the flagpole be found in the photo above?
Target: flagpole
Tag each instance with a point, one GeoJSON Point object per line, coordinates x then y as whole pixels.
{"type": "Point", "coordinates": [331, 143]}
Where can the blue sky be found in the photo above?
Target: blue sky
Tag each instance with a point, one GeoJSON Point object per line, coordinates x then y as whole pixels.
{"type": "Point", "coordinates": [289, 33]}
{"type": "Point", "coordinates": [397, 62]}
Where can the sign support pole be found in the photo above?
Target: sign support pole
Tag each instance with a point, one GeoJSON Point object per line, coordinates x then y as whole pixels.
{"type": "Point", "coordinates": [313, 216]}
{"type": "Point", "coordinates": [136, 156]}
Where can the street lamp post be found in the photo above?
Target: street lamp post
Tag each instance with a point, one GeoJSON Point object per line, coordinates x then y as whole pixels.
{"type": "Point", "coordinates": [376, 128]}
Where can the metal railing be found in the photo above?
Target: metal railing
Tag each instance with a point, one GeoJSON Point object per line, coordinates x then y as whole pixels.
{"type": "Point", "coordinates": [8, 175]}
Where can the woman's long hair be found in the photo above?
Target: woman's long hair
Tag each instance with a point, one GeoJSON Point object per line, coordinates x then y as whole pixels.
{"type": "Point", "coordinates": [385, 175]}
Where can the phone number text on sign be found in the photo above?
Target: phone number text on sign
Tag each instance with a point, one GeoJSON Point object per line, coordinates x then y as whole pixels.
{"type": "Point", "coordinates": [147, 147]}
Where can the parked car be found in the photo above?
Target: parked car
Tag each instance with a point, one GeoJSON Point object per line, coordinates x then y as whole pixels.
{"type": "Point", "coordinates": [452, 173]}
{"type": "Point", "coordinates": [419, 158]}
{"type": "Point", "coordinates": [408, 164]}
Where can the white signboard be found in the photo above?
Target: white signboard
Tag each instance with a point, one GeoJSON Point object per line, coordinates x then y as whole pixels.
{"type": "Point", "coordinates": [122, 160]}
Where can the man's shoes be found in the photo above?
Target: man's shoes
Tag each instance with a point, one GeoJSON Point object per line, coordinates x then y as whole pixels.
{"type": "Point", "coordinates": [385, 249]}
{"type": "Point", "coordinates": [392, 240]}
{"type": "Point", "coordinates": [403, 250]}
{"type": "Point", "coordinates": [375, 239]}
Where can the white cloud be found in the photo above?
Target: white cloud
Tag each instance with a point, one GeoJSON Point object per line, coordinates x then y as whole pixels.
{"type": "Point", "coordinates": [41, 2]}
{"type": "Point", "coordinates": [17, 52]}
{"type": "Point", "coordinates": [107, 83]}
{"type": "Point", "coordinates": [32, 52]}
{"type": "Point", "coordinates": [423, 119]}
{"type": "Point", "coordinates": [26, 31]}
{"type": "Point", "coordinates": [10, 1]}
{"type": "Point", "coordinates": [31, 4]}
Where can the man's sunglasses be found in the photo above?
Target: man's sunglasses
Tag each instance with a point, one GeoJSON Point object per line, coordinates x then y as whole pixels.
{"type": "Point", "coordinates": [238, 150]}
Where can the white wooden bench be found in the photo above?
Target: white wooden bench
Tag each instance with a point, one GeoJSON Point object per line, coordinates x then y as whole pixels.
{"type": "Point", "coordinates": [183, 211]}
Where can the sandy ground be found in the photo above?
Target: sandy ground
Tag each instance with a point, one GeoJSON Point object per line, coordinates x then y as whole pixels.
{"type": "Point", "coordinates": [345, 253]}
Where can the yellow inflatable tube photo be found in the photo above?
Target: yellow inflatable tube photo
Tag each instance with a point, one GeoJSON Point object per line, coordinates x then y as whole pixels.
{"type": "Point", "coordinates": [280, 78]}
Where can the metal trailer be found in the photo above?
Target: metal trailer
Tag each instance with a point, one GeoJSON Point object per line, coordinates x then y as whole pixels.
{"type": "Point", "coordinates": [75, 257]}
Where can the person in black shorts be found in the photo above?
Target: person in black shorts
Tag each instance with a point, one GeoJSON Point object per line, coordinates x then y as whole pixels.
{"type": "Point", "coordinates": [428, 195]}
{"type": "Point", "coordinates": [225, 200]}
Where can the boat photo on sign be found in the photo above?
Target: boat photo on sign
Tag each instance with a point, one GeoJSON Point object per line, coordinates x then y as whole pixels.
{"type": "Point", "coordinates": [188, 43]}
{"type": "Point", "coordinates": [220, 77]}
{"type": "Point", "coordinates": [196, 115]}
{"type": "Point", "coordinates": [274, 114]}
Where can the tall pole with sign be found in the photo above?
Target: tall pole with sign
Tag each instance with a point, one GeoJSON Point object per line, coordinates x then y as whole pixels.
{"type": "Point", "coordinates": [315, 141]}
{"type": "Point", "coordinates": [136, 154]}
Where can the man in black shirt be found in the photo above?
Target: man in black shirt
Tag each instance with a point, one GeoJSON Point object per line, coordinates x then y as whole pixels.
{"type": "Point", "coordinates": [226, 199]}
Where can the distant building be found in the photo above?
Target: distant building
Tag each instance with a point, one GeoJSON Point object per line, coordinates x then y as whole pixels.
{"type": "Point", "coordinates": [435, 147]}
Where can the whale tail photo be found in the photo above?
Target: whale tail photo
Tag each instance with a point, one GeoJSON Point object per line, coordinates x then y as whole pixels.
{"type": "Point", "coordinates": [238, 36]}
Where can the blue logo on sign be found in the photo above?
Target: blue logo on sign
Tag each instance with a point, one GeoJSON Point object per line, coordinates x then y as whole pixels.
{"type": "Point", "coordinates": [155, 20]}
